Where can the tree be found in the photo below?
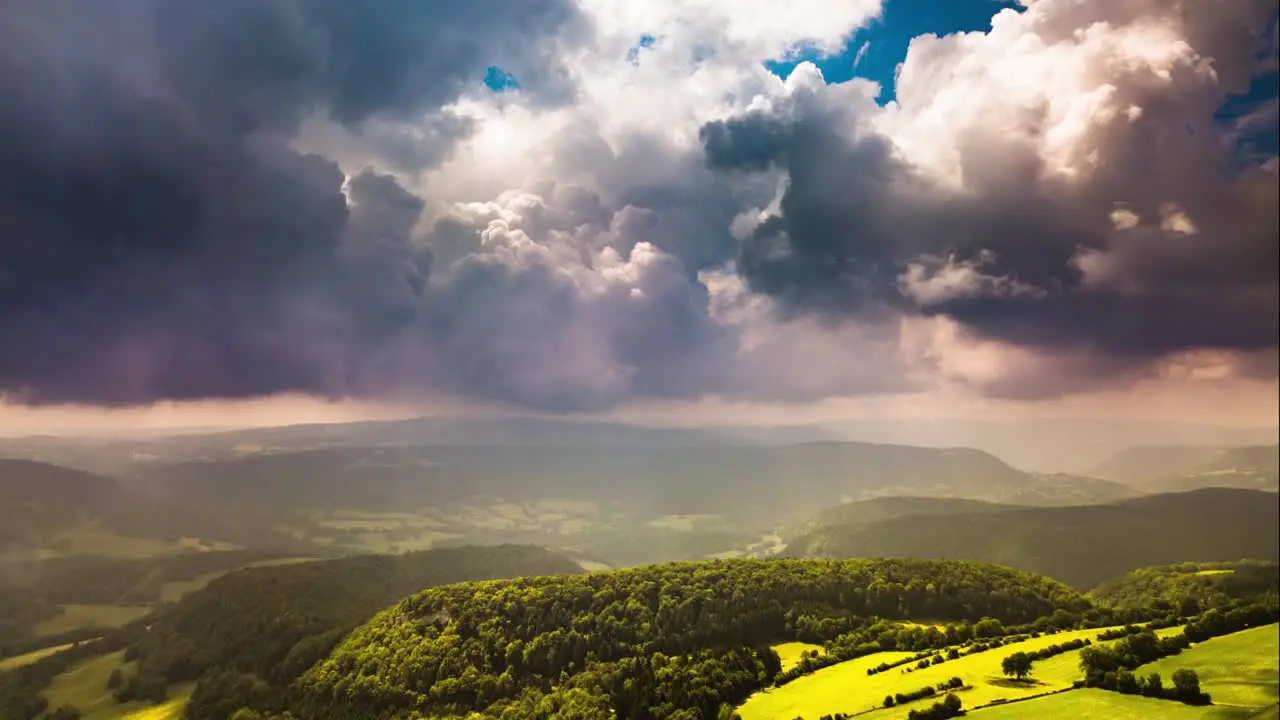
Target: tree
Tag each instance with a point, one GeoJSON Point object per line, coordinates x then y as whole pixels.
{"type": "Point", "coordinates": [1017, 665]}
{"type": "Point", "coordinates": [1127, 683]}
{"type": "Point", "coordinates": [1186, 683]}
{"type": "Point", "coordinates": [1153, 686]}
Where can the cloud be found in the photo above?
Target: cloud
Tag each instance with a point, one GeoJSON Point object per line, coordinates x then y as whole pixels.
{"type": "Point", "coordinates": [1054, 185]}
{"type": "Point", "coordinates": [161, 236]}
{"type": "Point", "coordinates": [321, 197]}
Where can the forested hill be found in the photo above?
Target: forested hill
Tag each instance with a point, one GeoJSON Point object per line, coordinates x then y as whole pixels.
{"type": "Point", "coordinates": [674, 640]}
{"type": "Point", "coordinates": [1191, 587]}
{"type": "Point", "coordinates": [37, 497]}
{"type": "Point", "coordinates": [1176, 468]}
{"type": "Point", "coordinates": [889, 508]}
{"type": "Point", "coordinates": [272, 623]}
{"type": "Point", "coordinates": [1082, 546]}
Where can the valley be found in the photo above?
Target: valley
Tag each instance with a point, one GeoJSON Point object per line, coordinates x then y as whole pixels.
{"type": "Point", "coordinates": [247, 580]}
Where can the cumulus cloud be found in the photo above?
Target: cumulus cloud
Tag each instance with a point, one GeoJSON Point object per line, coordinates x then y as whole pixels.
{"type": "Point", "coordinates": [317, 196]}
{"type": "Point", "coordinates": [1064, 164]}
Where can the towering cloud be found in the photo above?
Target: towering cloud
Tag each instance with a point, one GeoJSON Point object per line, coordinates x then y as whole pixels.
{"type": "Point", "coordinates": [242, 198]}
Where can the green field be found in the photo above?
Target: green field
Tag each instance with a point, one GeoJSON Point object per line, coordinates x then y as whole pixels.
{"type": "Point", "coordinates": [84, 686]}
{"type": "Point", "coordinates": [826, 688]}
{"type": "Point", "coordinates": [18, 661]}
{"type": "Point", "coordinates": [789, 653]}
{"type": "Point", "coordinates": [171, 709]}
{"type": "Point", "coordinates": [91, 538]}
{"type": "Point", "coordinates": [1089, 704]}
{"type": "Point", "coordinates": [74, 617]}
{"type": "Point", "coordinates": [1236, 669]}
{"type": "Point", "coordinates": [1067, 665]}
{"type": "Point", "coordinates": [847, 688]}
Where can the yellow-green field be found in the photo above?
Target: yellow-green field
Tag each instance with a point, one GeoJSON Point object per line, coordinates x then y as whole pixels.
{"type": "Point", "coordinates": [824, 689]}
{"type": "Point", "coordinates": [789, 653]}
{"type": "Point", "coordinates": [91, 538]}
{"type": "Point", "coordinates": [1087, 704]}
{"type": "Point", "coordinates": [74, 617]}
{"type": "Point", "coordinates": [170, 709]}
{"type": "Point", "coordinates": [1237, 669]}
{"type": "Point", "coordinates": [84, 685]}
{"type": "Point", "coordinates": [847, 688]}
{"type": "Point", "coordinates": [18, 661]}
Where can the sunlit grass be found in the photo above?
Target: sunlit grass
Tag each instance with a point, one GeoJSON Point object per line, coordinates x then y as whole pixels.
{"type": "Point", "coordinates": [847, 688]}
{"type": "Point", "coordinates": [789, 653]}
{"type": "Point", "coordinates": [75, 617]}
{"type": "Point", "coordinates": [1089, 704]}
{"type": "Point", "coordinates": [18, 661]}
{"type": "Point", "coordinates": [1242, 668]}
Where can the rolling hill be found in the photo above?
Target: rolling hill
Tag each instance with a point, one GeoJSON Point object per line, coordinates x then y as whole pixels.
{"type": "Point", "coordinates": [1187, 467]}
{"type": "Point", "coordinates": [674, 640]}
{"type": "Point", "coordinates": [1192, 586]}
{"type": "Point", "coordinates": [1081, 546]}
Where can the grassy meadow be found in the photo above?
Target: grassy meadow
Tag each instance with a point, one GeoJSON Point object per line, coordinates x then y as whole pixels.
{"type": "Point", "coordinates": [18, 661]}
{"type": "Point", "coordinates": [1239, 669]}
{"type": "Point", "coordinates": [75, 617]}
{"type": "Point", "coordinates": [847, 688]}
{"type": "Point", "coordinates": [84, 686]}
{"type": "Point", "coordinates": [789, 653]}
{"type": "Point", "coordinates": [1089, 704]}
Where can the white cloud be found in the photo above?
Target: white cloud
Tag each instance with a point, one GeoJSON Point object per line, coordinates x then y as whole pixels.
{"type": "Point", "coordinates": [605, 204]}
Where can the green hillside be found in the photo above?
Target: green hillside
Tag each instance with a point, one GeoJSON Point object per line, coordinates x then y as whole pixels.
{"type": "Point", "coordinates": [1191, 586]}
{"type": "Point", "coordinates": [1240, 669]}
{"type": "Point", "coordinates": [681, 639]}
{"type": "Point", "coordinates": [264, 626]}
{"type": "Point", "coordinates": [1187, 467]}
{"type": "Point", "coordinates": [889, 508]}
{"type": "Point", "coordinates": [1081, 546]}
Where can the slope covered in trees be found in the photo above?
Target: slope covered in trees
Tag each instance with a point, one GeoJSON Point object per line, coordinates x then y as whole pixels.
{"type": "Point", "coordinates": [1081, 546]}
{"type": "Point", "coordinates": [275, 622]}
{"type": "Point", "coordinates": [1187, 467]}
{"type": "Point", "coordinates": [888, 508]}
{"type": "Point", "coordinates": [681, 640]}
{"type": "Point", "coordinates": [254, 630]}
{"type": "Point", "coordinates": [1191, 587]}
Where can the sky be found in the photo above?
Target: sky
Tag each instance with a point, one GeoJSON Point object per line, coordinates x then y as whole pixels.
{"type": "Point", "coordinates": [314, 210]}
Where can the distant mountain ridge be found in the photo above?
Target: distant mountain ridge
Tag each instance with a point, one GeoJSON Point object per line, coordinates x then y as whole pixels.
{"type": "Point", "coordinates": [1170, 468]}
{"type": "Point", "coordinates": [1082, 545]}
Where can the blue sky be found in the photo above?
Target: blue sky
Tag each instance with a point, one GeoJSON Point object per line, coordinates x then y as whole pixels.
{"type": "Point", "coordinates": [887, 39]}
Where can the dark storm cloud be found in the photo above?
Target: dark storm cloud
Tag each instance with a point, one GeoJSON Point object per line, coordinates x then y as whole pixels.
{"type": "Point", "coordinates": [1019, 255]}
{"type": "Point", "coordinates": [160, 238]}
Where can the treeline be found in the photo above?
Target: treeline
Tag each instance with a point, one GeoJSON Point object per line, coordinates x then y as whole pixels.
{"type": "Point", "coordinates": [1190, 588]}
{"type": "Point", "coordinates": [483, 647]}
{"type": "Point", "coordinates": [949, 707]}
{"type": "Point", "coordinates": [927, 691]}
{"type": "Point", "coordinates": [1081, 546]}
{"type": "Point", "coordinates": [1111, 667]}
{"type": "Point", "coordinates": [958, 639]}
{"type": "Point", "coordinates": [268, 625]}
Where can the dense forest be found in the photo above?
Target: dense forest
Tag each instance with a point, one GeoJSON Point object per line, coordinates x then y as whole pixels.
{"type": "Point", "coordinates": [1192, 587]}
{"type": "Point", "coordinates": [264, 626]}
{"type": "Point", "coordinates": [681, 640]}
{"type": "Point", "coordinates": [274, 623]}
{"type": "Point", "coordinates": [1081, 546]}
